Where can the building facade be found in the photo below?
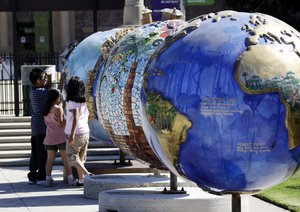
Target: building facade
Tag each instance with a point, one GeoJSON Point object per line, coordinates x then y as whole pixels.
{"type": "Point", "coordinates": [45, 25]}
{"type": "Point", "coordinates": [50, 26]}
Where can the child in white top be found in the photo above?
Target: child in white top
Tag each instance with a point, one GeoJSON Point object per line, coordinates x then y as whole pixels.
{"type": "Point", "coordinates": [77, 128]}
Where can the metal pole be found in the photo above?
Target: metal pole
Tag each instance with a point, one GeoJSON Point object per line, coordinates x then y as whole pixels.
{"type": "Point", "coordinates": [132, 14]}
{"type": "Point", "coordinates": [122, 158]}
{"type": "Point", "coordinates": [173, 182]}
{"type": "Point", "coordinates": [51, 35]}
{"type": "Point", "coordinates": [182, 8]}
{"type": "Point", "coordinates": [236, 203]}
{"type": "Point", "coordinates": [122, 161]}
{"type": "Point", "coordinates": [173, 186]}
{"type": "Point", "coordinates": [15, 58]}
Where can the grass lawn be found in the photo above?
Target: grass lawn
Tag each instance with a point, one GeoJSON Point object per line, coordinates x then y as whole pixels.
{"type": "Point", "coordinates": [285, 195]}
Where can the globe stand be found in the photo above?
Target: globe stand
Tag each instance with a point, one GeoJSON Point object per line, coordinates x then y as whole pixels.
{"type": "Point", "coordinates": [236, 202]}
{"type": "Point", "coordinates": [122, 160]}
{"type": "Point", "coordinates": [173, 186]}
{"type": "Point", "coordinates": [95, 184]}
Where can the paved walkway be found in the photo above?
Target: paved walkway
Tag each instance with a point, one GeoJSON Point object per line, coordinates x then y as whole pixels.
{"type": "Point", "coordinates": [17, 196]}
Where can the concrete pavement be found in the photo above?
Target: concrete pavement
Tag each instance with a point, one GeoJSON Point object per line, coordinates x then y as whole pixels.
{"type": "Point", "coordinates": [17, 196]}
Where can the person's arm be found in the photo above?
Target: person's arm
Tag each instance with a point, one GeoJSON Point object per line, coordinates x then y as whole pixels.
{"type": "Point", "coordinates": [59, 116]}
{"type": "Point", "coordinates": [74, 125]}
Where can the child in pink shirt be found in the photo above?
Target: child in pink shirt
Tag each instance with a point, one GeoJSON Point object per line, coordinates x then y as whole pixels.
{"type": "Point", "coordinates": [55, 137]}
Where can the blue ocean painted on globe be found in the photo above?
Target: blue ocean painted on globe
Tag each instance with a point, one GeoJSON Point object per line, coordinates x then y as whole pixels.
{"type": "Point", "coordinates": [81, 63]}
{"type": "Point", "coordinates": [118, 86]}
{"type": "Point", "coordinates": [216, 111]}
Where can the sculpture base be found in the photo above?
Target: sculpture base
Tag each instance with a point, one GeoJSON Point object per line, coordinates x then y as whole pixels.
{"type": "Point", "coordinates": [97, 183]}
{"type": "Point", "coordinates": [107, 167]}
{"type": "Point", "coordinates": [152, 199]}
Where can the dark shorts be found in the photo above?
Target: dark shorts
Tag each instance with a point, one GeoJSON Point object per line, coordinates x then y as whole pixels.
{"type": "Point", "coordinates": [56, 147]}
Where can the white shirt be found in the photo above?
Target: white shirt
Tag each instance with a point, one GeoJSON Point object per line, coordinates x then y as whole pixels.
{"type": "Point", "coordinates": [82, 125]}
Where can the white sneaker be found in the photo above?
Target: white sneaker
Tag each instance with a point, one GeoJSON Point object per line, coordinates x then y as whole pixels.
{"type": "Point", "coordinates": [89, 175]}
{"type": "Point", "coordinates": [71, 181]}
{"type": "Point", "coordinates": [40, 182]}
{"type": "Point", "coordinates": [30, 182]}
{"type": "Point", "coordinates": [48, 182]}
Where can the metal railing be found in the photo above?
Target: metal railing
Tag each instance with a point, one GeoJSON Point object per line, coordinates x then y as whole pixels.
{"type": "Point", "coordinates": [7, 100]}
{"type": "Point", "coordinates": [9, 86]}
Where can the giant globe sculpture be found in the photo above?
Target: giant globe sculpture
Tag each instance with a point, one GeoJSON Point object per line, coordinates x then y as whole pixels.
{"type": "Point", "coordinates": [119, 84]}
{"type": "Point", "coordinates": [220, 102]}
{"type": "Point", "coordinates": [81, 62]}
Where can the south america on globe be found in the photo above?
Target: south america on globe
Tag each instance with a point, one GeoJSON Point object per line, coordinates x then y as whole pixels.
{"type": "Point", "coordinates": [120, 81]}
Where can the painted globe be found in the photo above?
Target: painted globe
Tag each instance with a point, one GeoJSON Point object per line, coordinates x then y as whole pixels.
{"type": "Point", "coordinates": [119, 86]}
{"type": "Point", "coordinates": [81, 62]}
{"type": "Point", "coordinates": [220, 102]}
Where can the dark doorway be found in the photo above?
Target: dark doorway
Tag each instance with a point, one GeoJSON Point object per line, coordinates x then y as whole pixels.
{"type": "Point", "coordinates": [34, 32]}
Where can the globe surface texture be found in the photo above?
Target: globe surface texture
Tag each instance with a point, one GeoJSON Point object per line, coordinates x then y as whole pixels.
{"type": "Point", "coordinates": [81, 63]}
{"type": "Point", "coordinates": [118, 91]}
{"type": "Point", "coordinates": [220, 102]}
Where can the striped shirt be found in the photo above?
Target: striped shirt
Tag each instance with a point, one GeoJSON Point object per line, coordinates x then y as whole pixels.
{"type": "Point", "coordinates": [38, 97]}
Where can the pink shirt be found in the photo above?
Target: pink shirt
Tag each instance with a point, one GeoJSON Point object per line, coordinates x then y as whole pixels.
{"type": "Point", "coordinates": [54, 134]}
{"type": "Point", "coordinates": [82, 125]}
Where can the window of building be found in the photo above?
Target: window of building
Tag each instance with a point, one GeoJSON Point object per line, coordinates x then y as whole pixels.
{"type": "Point", "coordinates": [34, 31]}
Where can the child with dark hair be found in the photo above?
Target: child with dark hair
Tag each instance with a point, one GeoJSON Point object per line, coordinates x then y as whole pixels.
{"type": "Point", "coordinates": [77, 128]}
{"type": "Point", "coordinates": [55, 136]}
{"type": "Point", "coordinates": [38, 95]}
